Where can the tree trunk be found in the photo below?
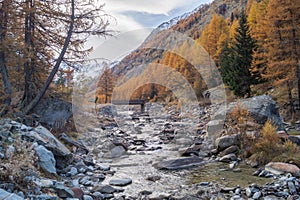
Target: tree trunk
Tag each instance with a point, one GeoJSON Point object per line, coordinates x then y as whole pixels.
{"type": "Point", "coordinates": [5, 78]}
{"type": "Point", "coordinates": [4, 73]}
{"type": "Point", "coordinates": [290, 87]}
{"type": "Point", "coordinates": [296, 52]}
{"type": "Point", "coordinates": [298, 77]}
{"type": "Point", "coordinates": [36, 100]}
{"type": "Point", "coordinates": [30, 89]}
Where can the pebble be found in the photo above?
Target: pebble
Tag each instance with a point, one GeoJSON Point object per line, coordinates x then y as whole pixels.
{"type": "Point", "coordinates": [238, 191]}
{"type": "Point", "coordinates": [248, 192]}
{"type": "Point", "coordinates": [2, 155]}
{"type": "Point", "coordinates": [204, 183]}
{"type": "Point", "coordinates": [98, 195]}
{"type": "Point", "coordinates": [256, 195]}
{"type": "Point", "coordinates": [104, 167]}
{"type": "Point", "coordinates": [292, 188]}
{"type": "Point", "coordinates": [73, 171]}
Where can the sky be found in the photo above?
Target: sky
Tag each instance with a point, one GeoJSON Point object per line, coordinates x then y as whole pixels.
{"type": "Point", "coordinates": [134, 20]}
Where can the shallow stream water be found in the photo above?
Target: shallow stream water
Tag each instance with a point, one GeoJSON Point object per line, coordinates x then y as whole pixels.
{"type": "Point", "coordinates": [138, 165]}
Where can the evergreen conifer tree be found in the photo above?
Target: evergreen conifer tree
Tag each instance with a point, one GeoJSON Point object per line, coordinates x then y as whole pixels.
{"type": "Point", "coordinates": [236, 59]}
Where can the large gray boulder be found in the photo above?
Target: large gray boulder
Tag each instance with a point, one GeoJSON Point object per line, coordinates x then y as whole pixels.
{"type": "Point", "coordinates": [46, 159]}
{"type": "Point", "coordinates": [261, 109]}
{"type": "Point", "coordinates": [45, 138]}
{"type": "Point", "coordinates": [53, 112]}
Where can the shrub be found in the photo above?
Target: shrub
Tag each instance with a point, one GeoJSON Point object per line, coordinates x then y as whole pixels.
{"type": "Point", "coordinates": [290, 153]}
{"type": "Point", "coordinates": [241, 122]}
{"type": "Point", "coordinates": [269, 147]}
{"type": "Point", "coordinates": [19, 165]}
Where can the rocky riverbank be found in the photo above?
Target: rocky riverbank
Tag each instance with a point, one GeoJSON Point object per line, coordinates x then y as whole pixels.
{"type": "Point", "coordinates": [130, 155]}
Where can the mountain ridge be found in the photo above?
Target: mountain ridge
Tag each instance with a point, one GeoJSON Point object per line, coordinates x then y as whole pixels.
{"type": "Point", "coordinates": [192, 26]}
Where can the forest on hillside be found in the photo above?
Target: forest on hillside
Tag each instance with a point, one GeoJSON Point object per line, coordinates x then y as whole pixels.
{"type": "Point", "coordinates": [255, 46]}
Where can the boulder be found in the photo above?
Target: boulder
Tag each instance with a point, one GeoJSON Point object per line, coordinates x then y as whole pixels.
{"type": "Point", "coordinates": [45, 138]}
{"type": "Point", "coordinates": [87, 197]}
{"type": "Point", "coordinates": [9, 196]}
{"type": "Point", "coordinates": [228, 158]}
{"type": "Point", "coordinates": [107, 111]}
{"type": "Point", "coordinates": [214, 127]}
{"type": "Point", "coordinates": [120, 182]}
{"type": "Point", "coordinates": [107, 189]}
{"type": "Point", "coordinates": [229, 150]}
{"type": "Point", "coordinates": [63, 191]}
{"type": "Point", "coordinates": [46, 159]}
{"type": "Point", "coordinates": [115, 152]}
{"type": "Point", "coordinates": [294, 139]}
{"type": "Point", "coordinates": [261, 109]}
{"type": "Point", "coordinates": [281, 168]}
{"type": "Point", "coordinates": [53, 112]}
{"type": "Point", "coordinates": [226, 141]}
{"type": "Point", "coordinates": [180, 163]}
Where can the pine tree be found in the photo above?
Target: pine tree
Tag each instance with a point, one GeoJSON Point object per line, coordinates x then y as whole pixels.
{"type": "Point", "coordinates": [236, 60]}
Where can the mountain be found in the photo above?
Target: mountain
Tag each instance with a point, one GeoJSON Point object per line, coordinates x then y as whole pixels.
{"type": "Point", "coordinates": [155, 50]}
{"type": "Point", "coordinates": [191, 24]}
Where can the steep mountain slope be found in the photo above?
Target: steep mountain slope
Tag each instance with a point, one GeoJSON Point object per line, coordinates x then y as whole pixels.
{"type": "Point", "coordinates": [191, 25]}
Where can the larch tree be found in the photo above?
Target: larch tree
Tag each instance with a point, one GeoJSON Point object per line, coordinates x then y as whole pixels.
{"type": "Point", "coordinates": [46, 35]}
{"type": "Point", "coordinates": [282, 45]}
{"type": "Point", "coordinates": [233, 27]}
{"type": "Point", "coordinates": [236, 60]}
{"type": "Point", "coordinates": [214, 36]}
{"type": "Point", "coordinates": [257, 24]}
{"type": "Point", "coordinates": [106, 84]}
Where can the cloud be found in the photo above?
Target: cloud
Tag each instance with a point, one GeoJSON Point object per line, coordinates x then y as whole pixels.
{"type": "Point", "coordinates": [135, 19]}
{"type": "Point", "coordinates": [120, 45]}
{"type": "Point", "coordinates": [136, 14]}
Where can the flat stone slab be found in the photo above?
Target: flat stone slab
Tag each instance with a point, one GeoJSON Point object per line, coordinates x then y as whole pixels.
{"type": "Point", "coordinates": [107, 189]}
{"type": "Point", "coordinates": [180, 163]}
{"type": "Point", "coordinates": [120, 182]}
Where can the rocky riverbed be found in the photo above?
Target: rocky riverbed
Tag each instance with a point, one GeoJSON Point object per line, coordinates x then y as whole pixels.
{"type": "Point", "coordinates": [125, 154]}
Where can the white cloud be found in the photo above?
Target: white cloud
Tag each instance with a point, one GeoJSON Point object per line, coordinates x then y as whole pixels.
{"type": "Point", "coordinates": [131, 29]}
{"type": "Point", "coordinates": [117, 8]}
